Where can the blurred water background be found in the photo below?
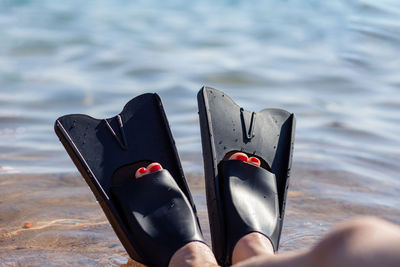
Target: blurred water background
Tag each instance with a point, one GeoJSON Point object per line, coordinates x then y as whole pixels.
{"type": "Point", "coordinates": [335, 64]}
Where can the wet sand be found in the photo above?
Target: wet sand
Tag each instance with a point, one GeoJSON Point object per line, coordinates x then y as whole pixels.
{"type": "Point", "coordinates": [53, 219]}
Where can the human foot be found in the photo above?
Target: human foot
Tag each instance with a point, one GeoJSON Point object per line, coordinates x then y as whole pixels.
{"type": "Point", "coordinates": [193, 253]}
{"type": "Point", "coordinates": [158, 213]}
{"type": "Point", "coordinates": [243, 157]}
{"type": "Point", "coordinates": [152, 167]}
{"type": "Point", "coordinates": [252, 244]}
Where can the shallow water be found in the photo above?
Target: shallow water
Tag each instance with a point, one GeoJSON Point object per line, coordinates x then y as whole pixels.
{"type": "Point", "coordinates": [335, 65]}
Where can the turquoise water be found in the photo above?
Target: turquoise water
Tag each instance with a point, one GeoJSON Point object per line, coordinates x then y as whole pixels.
{"type": "Point", "coordinates": [335, 64]}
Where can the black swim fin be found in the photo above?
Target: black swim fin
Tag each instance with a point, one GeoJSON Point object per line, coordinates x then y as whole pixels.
{"type": "Point", "coordinates": [107, 153]}
{"type": "Point", "coordinates": [243, 198]}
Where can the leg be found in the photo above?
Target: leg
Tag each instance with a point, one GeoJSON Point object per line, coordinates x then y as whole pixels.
{"type": "Point", "coordinates": [368, 242]}
{"type": "Point", "coordinates": [191, 254]}
{"type": "Point", "coordinates": [362, 242]}
{"type": "Point", "coordinates": [252, 245]}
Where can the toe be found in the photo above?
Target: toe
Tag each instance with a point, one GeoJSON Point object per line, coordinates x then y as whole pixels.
{"type": "Point", "coordinates": [141, 172]}
{"type": "Point", "coordinates": [239, 156]}
{"type": "Point", "coordinates": [155, 166]}
{"type": "Point", "coordinates": [255, 161]}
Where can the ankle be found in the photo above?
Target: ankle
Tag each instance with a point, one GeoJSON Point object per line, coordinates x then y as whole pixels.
{"type": "Point", "coordinates": [252, 245]}
{"type": "Point", "coordinates": [193, 254]}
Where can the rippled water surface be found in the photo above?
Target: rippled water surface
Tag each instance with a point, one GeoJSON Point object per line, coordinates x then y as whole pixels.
{"type": "Point", "coordinates": [335, 64]}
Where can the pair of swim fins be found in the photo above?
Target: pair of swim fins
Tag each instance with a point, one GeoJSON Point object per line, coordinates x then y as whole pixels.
{"type": "Point", "coordinates": [154, 217]}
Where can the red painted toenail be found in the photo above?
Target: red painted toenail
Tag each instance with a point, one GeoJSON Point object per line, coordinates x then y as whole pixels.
{"type": "Point", "coordinates": [155, 168]}
{"type": "Point", "coordinates": [255, 160]}
{"type": "Point", "coordinates": [242, 158]}
{"type": "Point", "coordinates": [142, 170]}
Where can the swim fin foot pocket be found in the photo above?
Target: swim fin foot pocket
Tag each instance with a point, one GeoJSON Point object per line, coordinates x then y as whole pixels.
{"type": "Point", "coordinates": [243, 198]}
{"type": "Point", "coordinates": [152, 216]}
{"type": "Point", "coordinates": [156, 211]}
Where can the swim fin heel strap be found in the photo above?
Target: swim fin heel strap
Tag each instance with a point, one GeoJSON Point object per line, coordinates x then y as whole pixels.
{"type": "Point", "coordinates": [107, 152]}
{"type": "Point", "coordinates": [251, 199]}
{"type": "Point", "coordinates": [160, 216]}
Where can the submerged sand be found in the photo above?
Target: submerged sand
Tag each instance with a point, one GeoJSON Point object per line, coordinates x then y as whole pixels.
{"type": "Point", "coordinates": [55, 220]}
